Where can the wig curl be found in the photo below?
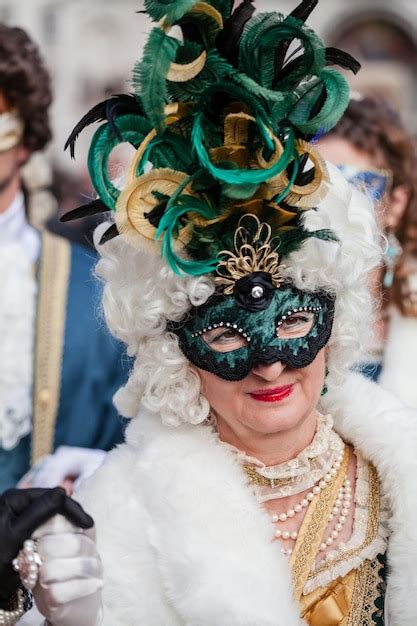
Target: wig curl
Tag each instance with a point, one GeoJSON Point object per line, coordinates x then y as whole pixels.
{"type": "Point", "coordinates": [141, 294]}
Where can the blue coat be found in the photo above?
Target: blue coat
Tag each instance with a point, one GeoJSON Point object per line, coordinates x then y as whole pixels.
{"type": "Point", "coordinates": [93, 368]}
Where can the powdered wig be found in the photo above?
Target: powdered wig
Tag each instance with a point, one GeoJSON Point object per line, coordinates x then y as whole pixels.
{"type": "Point", "coordinates": [141, 293]}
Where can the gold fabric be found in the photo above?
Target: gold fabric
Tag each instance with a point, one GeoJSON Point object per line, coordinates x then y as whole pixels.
{"type": "Point", "coordinates": [51, 316]}
{"type": "Point", "coordinates": [349, 600]}
{"type": "Point", "coordinates": [330, 606]}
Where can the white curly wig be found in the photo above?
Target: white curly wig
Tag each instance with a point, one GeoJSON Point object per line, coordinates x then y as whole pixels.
{"type": "Point", "coordinates": [141, 293]}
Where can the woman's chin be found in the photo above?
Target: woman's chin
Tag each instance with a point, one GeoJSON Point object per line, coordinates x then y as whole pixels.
{"type": "Point", "coordinates": [273, 417]}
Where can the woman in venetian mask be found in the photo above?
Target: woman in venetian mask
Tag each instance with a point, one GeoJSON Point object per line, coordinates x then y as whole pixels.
{"type": "Point", "coordinates": [373, 148]}
{"type": "Point", "coordinates": [261, 483]}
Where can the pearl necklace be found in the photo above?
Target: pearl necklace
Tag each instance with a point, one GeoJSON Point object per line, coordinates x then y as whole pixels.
{"type": "Point", "coordinates": [340, 510]}
{"type": "Point", "coordinates": [342, 506]}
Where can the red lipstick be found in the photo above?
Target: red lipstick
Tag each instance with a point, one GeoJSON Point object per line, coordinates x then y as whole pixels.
{"type": "Point", "coordinates": [272, 395]}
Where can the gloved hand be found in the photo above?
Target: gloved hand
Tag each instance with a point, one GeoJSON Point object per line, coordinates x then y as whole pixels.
{"type": "Point", "coordinates": [22, 511]}
{"type": "Point", "coordinates": [68, 592]}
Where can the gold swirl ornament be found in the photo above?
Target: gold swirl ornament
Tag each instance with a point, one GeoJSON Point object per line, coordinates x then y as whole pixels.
{"type": "Point", "coordinates": [137, 202]}
{"type": "Point", "coordinates": [183, 72]}
{"type": "Point", "coordinates": [304, 196]}
{"type": "Point", "coordinates": [174, 112]}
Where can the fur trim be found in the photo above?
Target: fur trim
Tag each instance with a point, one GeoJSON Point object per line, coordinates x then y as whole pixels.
{"type": "Point", "coordinates": [400, 358]}
{"type": "Point", "coordinates": [184, 543]}
{"type": "Point", "coordinates": [375, 422]}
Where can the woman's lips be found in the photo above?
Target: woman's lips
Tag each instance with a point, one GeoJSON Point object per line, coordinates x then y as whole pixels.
{"type": "Point", "coordinates": [272, 395]}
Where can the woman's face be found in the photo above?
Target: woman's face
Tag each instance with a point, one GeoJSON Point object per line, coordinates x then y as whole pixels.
{"type": "Point", "coordinates": [342, 152]}
{"type": "Point", "coordinates": [389, 207]}
{"type": "Point", "coordinates": [271, 399]}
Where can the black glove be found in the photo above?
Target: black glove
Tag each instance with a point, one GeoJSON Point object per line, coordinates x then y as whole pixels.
{"type": "Point", "coordinates": [22, 511]}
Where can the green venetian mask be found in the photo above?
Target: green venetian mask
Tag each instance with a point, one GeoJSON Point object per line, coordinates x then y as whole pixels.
{"type": "Point", "coordinates": [229, 335]}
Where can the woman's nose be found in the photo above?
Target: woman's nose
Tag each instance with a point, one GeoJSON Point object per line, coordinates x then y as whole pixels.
{"type": "Point", "coordinates": [268, 372]}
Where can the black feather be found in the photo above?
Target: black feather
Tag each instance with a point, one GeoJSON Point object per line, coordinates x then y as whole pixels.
{"type": "Point", "coordinates": [119, 104]}
{"type": "Point", "coordinates": [304, 9]}
{"type": "Point", "coordinates": [335, 56]}
{"type": "Point", "coordinates": [191, 29]}
{"type": "Point", "coordinates": [91, 208]}
{"type": "Point", "coordinates": [301, 12]}
{"type": "Point", "coordinates": [123, 105]}
{"type": "Point", "coordinates": [228, 39]}
{"type": "Point", "coordinates": [290, 65]}
{"type": "Point", "coordinates": [110, 233]}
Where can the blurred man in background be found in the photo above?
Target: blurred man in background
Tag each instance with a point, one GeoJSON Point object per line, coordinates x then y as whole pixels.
{"type": "Point", "coordinates": [58, 367]}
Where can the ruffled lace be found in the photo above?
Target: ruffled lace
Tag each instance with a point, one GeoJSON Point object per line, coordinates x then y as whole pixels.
{"type": "Point", "coordinates": [303, 471]}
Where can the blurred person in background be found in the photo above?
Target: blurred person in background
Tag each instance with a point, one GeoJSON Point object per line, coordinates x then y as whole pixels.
{"type": "Point", "coordinates": [373, 149]}
{"type": "Point", "coordinates": [58, 367]}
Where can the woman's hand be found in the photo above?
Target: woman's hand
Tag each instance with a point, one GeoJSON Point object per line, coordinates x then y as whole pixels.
{"type": "Point", "coordinates": [68, 592]}
{"type": "Point", "coordinates": [22, 511]}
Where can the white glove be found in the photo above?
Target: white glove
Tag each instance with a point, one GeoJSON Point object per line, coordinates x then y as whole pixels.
{"type": "Point", "coordinates": [66, 462]}
{"type": "Point", "coordinates": [68, 592]}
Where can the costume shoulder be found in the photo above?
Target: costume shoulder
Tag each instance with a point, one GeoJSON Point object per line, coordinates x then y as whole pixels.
{"type": "Point", "coordinates": [93, 363]}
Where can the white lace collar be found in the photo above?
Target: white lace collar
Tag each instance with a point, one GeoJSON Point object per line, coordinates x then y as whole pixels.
{"type": "Point", "coordinates": [302, 472]}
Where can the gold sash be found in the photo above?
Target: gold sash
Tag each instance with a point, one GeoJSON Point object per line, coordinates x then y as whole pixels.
{"type": "Point", "coordinates": [348, 600]}
{"type": "Point", "coordinates": [54, 272]}
{"type": "Point", "coordinates": [330, 606]}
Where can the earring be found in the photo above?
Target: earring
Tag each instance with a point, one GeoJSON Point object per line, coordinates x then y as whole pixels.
{"type": "Point", "coordinates": [325, 388]}
{"type": "Point", "coordinates": [390, 257]}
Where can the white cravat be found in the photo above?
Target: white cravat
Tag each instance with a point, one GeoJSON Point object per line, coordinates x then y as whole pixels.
{"type": "Point", "coordinates": [19, 250]}
{"type": "Point", "coordinates": [15, 229]}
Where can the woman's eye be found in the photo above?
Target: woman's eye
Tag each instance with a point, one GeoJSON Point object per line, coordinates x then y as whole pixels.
{"type": "Point", "coordinates": [224, 339]}
{"type": "Point", "coordinates": [296, 325]}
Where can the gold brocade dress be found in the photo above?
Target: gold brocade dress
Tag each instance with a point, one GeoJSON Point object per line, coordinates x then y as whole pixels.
{"type": "Point", "coordinates": [347, 589]}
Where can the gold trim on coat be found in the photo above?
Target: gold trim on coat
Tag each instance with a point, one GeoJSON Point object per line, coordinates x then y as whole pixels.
{"type": "Point", "coordinates": [54, 273]}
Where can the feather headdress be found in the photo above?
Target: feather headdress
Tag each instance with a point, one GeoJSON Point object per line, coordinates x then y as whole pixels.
{"type": "Point", "coordinates": [221, 121]}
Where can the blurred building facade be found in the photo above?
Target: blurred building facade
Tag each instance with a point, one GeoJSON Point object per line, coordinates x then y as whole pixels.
{"type": "Point", "coordinates": [91, 46]}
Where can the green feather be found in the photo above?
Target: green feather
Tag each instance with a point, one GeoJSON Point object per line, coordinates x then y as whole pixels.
{"type": "Point", "coordinates": [256, 57]}
{"type": "Point", "coordinates": [172, 9]}
{"type": "Point", "coordinates": [206, 25]}
{"type": "Point", "coordinates": [312, 60]}
{"type": "Point", "coordinates": [294, 173]}
{"type": "Point", "coordinates": [268, 95]}
{"type": "Point", "coordinates": [239, 192]}
{"type": "Point", "coordinates": [225, 7]}
{"type": "Point", "coordinates": [241, 176]}
{"type": "Point", "coordinates": [302, 101]}
{"type": "Point", "coordinates": [149, 76]}
{"type": "Point", "coordinates": [263, 35]}
{"type": "Point", "coordinates": [215, 69]}
{"type": "Point", "coordinates": [133, 130]}
{"type": "Point", "coordinates": [170, 225]}
{"type": "Point", "coordinates": [171, 150]}
{"type": "Point", "coordinates": [337, 99]}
